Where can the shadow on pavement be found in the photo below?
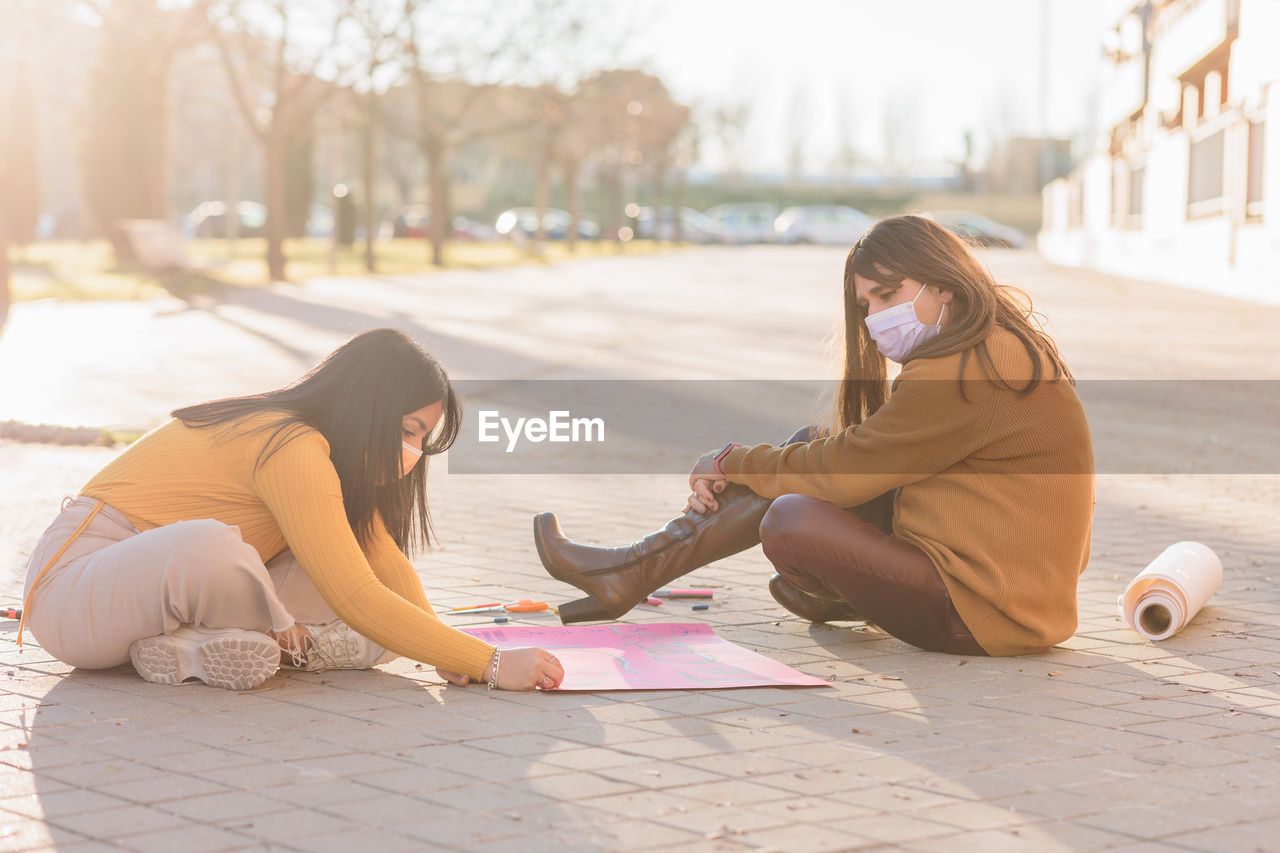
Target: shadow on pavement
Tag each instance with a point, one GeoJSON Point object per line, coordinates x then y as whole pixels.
{"type": "Point", "coordinates": [385, 757]}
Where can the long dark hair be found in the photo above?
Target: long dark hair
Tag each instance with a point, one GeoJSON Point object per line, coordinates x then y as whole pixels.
{"type": "Point", "coordinates": [914, 247]}
{"type": "Point", "coordinates": [357, 398]}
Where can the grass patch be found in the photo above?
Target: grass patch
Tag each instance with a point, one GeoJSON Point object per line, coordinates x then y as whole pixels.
{"type": "Point", "coordinates": [51, 434]}
{"type": "Point", "coordinates": [89, 271]}
{"type": "Point", "coordinates": [74, 271]}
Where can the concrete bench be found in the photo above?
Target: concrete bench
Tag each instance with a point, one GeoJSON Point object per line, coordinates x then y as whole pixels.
{"type": "Point", "coordinates": [156, 245]}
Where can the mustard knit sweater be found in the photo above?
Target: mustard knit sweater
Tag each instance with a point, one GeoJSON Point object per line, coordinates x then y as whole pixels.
{"type": "Point", "coordinates": [997, 489]}
{"type": "Point", "coordinates": [178, 473]}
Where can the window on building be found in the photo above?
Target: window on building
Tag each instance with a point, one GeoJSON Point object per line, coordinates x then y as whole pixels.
{"type": "Point", "coordinates": [1137, 187]}
{"type": "Point", "coordinates": [1254, 194]}
{"type": "Point", "coordinates": [1206, 175]}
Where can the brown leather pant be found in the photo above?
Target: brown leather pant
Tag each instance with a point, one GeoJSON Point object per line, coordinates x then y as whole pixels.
{"type": "Point", "coordinates": [852, 555]}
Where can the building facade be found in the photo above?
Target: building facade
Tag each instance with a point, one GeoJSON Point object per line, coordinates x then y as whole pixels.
{"type": "Point", "coordinates": [1184, 188]}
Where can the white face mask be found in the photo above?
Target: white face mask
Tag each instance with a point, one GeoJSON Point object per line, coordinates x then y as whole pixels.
{"type": "Point", "coordinates": [897, 330]}
{"type": "Point", "coordinates": [410, 456]}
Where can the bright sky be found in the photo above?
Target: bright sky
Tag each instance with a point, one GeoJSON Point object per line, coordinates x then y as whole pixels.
{"type": "Point", "coordinates": [934, 68]}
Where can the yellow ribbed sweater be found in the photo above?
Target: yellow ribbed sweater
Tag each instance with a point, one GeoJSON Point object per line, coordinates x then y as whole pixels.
{"type": "Point", "coordinates": [177, 473]}
{"type": "Point", "coordinates": [997, 490]}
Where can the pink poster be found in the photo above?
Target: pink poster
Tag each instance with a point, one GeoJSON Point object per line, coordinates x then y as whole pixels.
{"type": "Point", "coordinates": [654, 656]}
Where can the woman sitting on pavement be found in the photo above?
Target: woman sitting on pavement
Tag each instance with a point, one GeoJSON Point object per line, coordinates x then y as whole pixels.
{"type": "Point", "coordinates": [952, 510]}
{"type": "Point", "coordinates": [277, 521]}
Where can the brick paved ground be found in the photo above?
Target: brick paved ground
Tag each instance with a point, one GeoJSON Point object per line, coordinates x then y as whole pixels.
{"type": "Point", "coordinates": [1105, 743]}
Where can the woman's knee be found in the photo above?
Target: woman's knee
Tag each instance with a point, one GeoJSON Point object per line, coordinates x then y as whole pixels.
{"type": "Point", "coordinates": [210, 552]}
{"type": "Point", "coordinates": [789, 518]}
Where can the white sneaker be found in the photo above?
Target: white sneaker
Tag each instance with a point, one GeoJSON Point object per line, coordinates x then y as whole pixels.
{"type": "Point", "coordinates": [336, 645]}
{"type": "Point", "coordinates": [221, 657]}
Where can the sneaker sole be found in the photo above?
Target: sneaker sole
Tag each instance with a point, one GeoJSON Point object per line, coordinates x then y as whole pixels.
{"type": "Point", "coordinates": [234, 661]}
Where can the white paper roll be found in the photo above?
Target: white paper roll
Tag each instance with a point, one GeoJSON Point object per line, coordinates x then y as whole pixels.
{"type": "Point", "coordinates": [1168, 593]}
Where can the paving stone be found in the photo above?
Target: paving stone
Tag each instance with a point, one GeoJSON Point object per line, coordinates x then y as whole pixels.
{"type": "Point", "coordinates": [1084, 748]}
{"type": "Point", "coordinates": [115, 823]}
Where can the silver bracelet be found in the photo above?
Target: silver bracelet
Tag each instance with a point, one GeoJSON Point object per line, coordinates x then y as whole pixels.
{"type": "Point", "coordinates": [493, 673]}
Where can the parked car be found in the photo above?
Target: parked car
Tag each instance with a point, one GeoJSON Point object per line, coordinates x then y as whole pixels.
{"type": "Point", "coordinates": [660, 224]}
{"type": "Point", "coordinates": [209, 219]}
{"type": "Point", "coordinates": [412, 221]}
{"type": "Point", "coordinates": [555, 223]}
{"type": "Point", "coordinates": [415, 221]}
{"type": "Point", "coordinates": [828, 224]}
{"type": "Point", "coordinates": [745, 223]}
{"type": "Point", "coordinates": [470, 229]}
{"type": "Point", "coordinates": [319, 221]}
{"type": "Point", "coordinates": [978, 229]}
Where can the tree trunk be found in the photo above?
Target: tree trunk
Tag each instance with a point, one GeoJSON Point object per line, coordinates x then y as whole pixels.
{"type": "Point", "coordinates": [571, 199]}
{"type": "Point", "coordinates": [231, 208]}
{"type": "Point", "coordinates": [156, 135]}
{"type": "Point", "coordinates": [369, 157]}
{"type": "Point", "coordinates": [276, 214]}
{"type": "Point", "coordinates": [437, 186]}
{"type": "Point", "coordinates": [659, 196]}
{"type": "Point", "coordinates": [677, 204]}
{"type": "Point", "coordinates": [541, 192]}
{"type": "Point", "coordinates": [615, 205]}
{"type": "Point", "coordinates": [6, 297]}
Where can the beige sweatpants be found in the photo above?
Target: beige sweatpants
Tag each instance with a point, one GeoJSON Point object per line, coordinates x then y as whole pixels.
{"type": "Point", "coordinates": [115, 585]}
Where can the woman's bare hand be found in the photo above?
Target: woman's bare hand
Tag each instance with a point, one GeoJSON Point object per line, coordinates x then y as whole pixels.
{"type": "Point", "coordinates": [528, 669]}
{"type": "Point", "coordinates": [704, 483]}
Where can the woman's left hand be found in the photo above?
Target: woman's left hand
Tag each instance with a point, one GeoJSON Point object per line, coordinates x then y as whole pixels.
{"type": "Point", "coordinates": [705, 468]}
{"type": "Point", "coordinates": [704, 483]}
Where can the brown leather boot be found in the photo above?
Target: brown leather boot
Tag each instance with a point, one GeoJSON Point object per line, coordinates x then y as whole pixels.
{"type": "Point", "coordinates": [828, 607]}
{"type": "Point", "coordinates": [617, 579]}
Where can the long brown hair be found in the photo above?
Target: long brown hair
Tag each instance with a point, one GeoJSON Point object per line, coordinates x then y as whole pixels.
{"type": "Point", "coordinates": [357, 398]}
{"type": "Point", "coordinates": [918, 248]}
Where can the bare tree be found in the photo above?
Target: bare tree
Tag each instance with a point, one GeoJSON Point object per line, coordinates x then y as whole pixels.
{"type": "Point", "coordinates": [458, 60]}
{"type": "Point", "coordinates": [847, 158]}
{"type": "Point", "coordinates": [798, 131]}
{"type": "Point", "coordinates": [124, 151]}
{"type": "Point", "coordinates": [729, 127]}
{"type": "Point", "coordinates": [20, 189]}
{"type": "Point", "coordinates": [283, 60]}
{"type": "Point", "coordinates": [629, 123]}
{"type": "Point", "coordinates": [380, 48]}
{"type": "Point", "coordinates": [900, 133]}
{"type": "Point", "coordinates": [687, 148]}
{"type": "Point", "coordinates": [6, 294]}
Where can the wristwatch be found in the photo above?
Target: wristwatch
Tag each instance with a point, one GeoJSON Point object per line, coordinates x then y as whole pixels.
{"type": "Point", "coordinates": [721, 455]}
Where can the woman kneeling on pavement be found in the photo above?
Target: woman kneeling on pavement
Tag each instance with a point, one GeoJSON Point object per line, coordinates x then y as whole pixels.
{"type": "Point", "coordinates": [952, 509]}
{"type": "Point", "coordinates": [254, 531]}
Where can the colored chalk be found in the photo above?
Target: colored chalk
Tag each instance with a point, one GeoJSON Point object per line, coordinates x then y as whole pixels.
{"type": "Point", "coordinates": [501, 619]}
{"type": "Point", "coordinates": [685, 593]}
{"type": "Point", "coordinates": [653, 601]}
{"type": "Point", "coordinates": [701, 606]}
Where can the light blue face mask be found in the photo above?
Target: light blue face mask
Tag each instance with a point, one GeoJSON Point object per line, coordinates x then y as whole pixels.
{"type": "Point", "coordinates": [897, 330]}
